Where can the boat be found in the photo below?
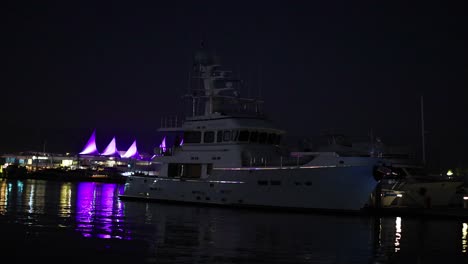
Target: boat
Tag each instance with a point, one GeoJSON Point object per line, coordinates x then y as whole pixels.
{"type": "Point", "coordinates": [227, 152]}
{"type": "Point", "coordinates": [404, 180]}
{"type": "Point", "coordinates": [410, 185]}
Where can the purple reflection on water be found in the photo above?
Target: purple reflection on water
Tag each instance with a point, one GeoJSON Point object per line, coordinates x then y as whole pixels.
{"type": "Point", "coordinates": [99, 211]}
{"type": "Point", "coordinates": [84, 202]}
{"type": "Point", "coordinates": [106, 206]}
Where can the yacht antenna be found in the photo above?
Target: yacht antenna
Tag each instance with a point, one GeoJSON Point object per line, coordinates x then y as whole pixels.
{"type": "Point", "coordinates": [259, 81]}
{"type": "Point", "coordinates": [422, 132]}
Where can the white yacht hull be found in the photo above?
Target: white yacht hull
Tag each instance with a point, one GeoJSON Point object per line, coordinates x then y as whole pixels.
{"type": "Point", "coordinates": [346, 188]}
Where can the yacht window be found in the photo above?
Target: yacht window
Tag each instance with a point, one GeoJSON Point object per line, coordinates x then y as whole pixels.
{"type": "Point", "coordinates": [244, 135]}
{"type": "Point", "coordinates": [278, 139]}
{"type": "Point", "coordinates": [262, 137]}
{"type": "Point", "coordinates": [226, 135]}
{"type": "Point", "coordinates": [417, 171]}
{"type": "Point", "coordinates": [234, 135]}
{"type": "Point", "coordinates": [209, 168]}
{"type": "Point", "coordinates": [175, 170]}
{"type": "Point", "coordinates": [180, 170]}
{"type": "Point", "coordinates": [271, 138]}
{"type": "Point", "coordinates": [192, 137]}
{"type": "Point", "coordinates": [398, 172]}
{"type": "Point", "coordinates": [208, 137]}
{"type": "Point", "coordinates": [192, 171]}
{"type": "Point", "coordinates": [219, 136]}
{"type": "Point", "coordinates": [253, 136]}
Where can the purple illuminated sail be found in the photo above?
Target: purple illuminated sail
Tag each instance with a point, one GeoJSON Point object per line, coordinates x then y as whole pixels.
{"type": "Point", "coordinates": [90, 147]}
{"type": "Point", "coordinates": [111, 149]}
{"type": "Point", "coordinates": [132, 152]}
{"type": "Point", "coordinates": [163, 145]}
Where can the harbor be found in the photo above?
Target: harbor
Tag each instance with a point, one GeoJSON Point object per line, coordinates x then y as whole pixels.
{"type": "Point", "coordinates": [226, 152]}
{"type": "Point", "coordinates": [312, 132]}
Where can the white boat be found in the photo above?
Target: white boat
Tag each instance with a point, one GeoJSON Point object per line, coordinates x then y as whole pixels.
{"type": "Point", "coordinates": [404, 180]}
{"type": "Point", "coordinates": [409, 185]}
{"type": "Point", "coordinates": [230, 154]}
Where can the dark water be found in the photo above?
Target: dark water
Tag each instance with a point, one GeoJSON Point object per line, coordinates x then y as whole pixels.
{"type": "Point", "coordinates": [86, 222]}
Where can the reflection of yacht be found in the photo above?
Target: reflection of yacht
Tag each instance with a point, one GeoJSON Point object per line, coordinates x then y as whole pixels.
{"type": "Point", "coordinates": [229, 153]}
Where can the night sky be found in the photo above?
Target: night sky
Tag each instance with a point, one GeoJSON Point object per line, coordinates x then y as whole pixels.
{"type": "Point", "coordinates": [73, 66]}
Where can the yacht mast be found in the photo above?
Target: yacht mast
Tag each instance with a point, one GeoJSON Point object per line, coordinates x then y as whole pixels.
{"type": "Point", "coordinates": [422, 132]}
{"type": "Point", "coordinates": [217, 90]}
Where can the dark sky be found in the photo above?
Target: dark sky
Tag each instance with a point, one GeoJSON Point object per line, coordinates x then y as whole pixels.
{"type": "Point", "coordinates": [69, 67]}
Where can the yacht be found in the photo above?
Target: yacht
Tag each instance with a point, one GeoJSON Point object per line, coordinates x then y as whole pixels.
{"type": "Point", "coordinates": [410, 185]}
{"type": "Point", "coordinates": [227, 152]}
{"type": "Point", "coordinates": [404, 181]}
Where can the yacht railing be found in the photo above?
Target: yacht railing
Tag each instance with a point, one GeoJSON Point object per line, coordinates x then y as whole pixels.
{"type": "Point", "coordinates": [171, 122]}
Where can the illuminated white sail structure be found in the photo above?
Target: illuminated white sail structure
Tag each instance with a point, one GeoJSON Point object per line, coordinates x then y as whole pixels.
{"type": "Point", "coordinates": [90, 147]}
{"type": "Point", "coordinates": [111, 149]}
{"type": "Point", "coordinates": [132, 152]}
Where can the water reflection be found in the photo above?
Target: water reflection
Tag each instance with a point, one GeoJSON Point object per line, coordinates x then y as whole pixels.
{"type": "Point", "coordinates": [212, 235]}
{"type": "Point", "coordinates": [464, 237]}
{"type": "Point", "coordinates": [4, 190]}
{"type": "Point", "coordinates": [421, 240]}
{"type": "Point", "coordinates": [397, 233]}
{"type": "Point", "coordinates": [165, 233]}
{"type": "Point", "coordinates": [98, 210]}
{"type": "Point", "coordinates": [65, 209]}
{"type": "Point", "coordinates": [95, 207]}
